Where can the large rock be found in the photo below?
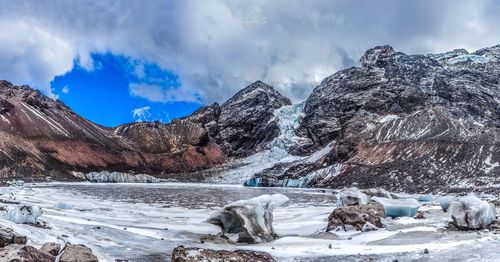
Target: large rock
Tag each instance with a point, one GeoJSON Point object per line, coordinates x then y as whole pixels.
{"type": "Point", "coordinates": [77, 253]}
{"type": "Point", "coordinates": [250, 221]}
{"type": "Point", "coordinates": [470, 212]}
{"type": "Point", "coordinates": [51, 248]}
{"type": "Point", "coordinates": [9, 237]}
{"type": "Point", "coordinates": [356, 216]}
{"type": "Point", "coordinates": [21, 253]}
{"type": "Point", "coordinates": [192, 254]}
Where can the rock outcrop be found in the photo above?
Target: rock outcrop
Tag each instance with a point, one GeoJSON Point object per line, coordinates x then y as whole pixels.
{"type": "Point", "coordinates": [192, 254]}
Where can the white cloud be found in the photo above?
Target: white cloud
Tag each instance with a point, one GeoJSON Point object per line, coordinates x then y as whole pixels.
{"type": "Point", "coordinates": [157, 93]}
{"type": "Point", "coordinates": [141, 114]}
{"type": "Point", "coordinates": [65, 90]}
{"type": "Point", "coordinates": [217, 47]}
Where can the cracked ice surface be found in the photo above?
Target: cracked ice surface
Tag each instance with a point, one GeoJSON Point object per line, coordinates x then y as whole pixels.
{"type": "Point", "coordinates": [128, 221]}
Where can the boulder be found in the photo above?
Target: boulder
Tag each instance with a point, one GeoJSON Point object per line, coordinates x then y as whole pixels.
{"type": "Point", "coordinates": [77, 253]}
{"type": "Point", "coordinates": [249, 221]}
{"type": "Point", "coordinates": [51, 248]}
{"type": "Point", "coordinates": [351, 196]}
{"type": "Point", "coordinates": [470, 212]}
{"type": "Point", "coordinates": [192, 254]}
{"type": "Point", "coordinates": [21, 253]}
{"type": "Point", "coordinates": [356, 216]}
{"type": "Point", "coordinates": [398, 207]}
{"type": "Point", "coordinates": [9, 237]}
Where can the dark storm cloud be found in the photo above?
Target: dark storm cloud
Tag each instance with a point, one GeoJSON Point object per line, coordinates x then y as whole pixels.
{"type": "Point", "coordinates": [218, 47]}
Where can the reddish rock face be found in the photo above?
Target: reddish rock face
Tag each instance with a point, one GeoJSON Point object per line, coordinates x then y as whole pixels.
{"type": "Point", "coordinates": [41, 137]}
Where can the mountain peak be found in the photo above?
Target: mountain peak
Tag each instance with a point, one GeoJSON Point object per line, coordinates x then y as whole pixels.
{"type": "Point", "coordinates": [255, 90]}
{"type": "Point", "coordinates": [375, 55]}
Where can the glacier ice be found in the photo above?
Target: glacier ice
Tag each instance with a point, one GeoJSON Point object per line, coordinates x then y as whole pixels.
{"type": "Point", "coordinates": [118, 177]}
{"type": "Point", "coordinates": [478, 59]}
{"type": "Point", "coordinates": [21, 214]}
{"type": "Point", "coordinates": [471, 212]}
{"type": "Point", "coordinates": [250, 220]}
{"type": "Point", "coordinates": [445, 202]}
{"type": "Point", "coordinates": [352, 196]}
{"type": "Point", "coordinates": [398, 207]}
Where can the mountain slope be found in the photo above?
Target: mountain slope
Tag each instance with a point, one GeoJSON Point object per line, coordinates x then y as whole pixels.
{"type": "Point", "coordinates": [40, 137]}
{"type": "Point", "coordinates": [404, 122]}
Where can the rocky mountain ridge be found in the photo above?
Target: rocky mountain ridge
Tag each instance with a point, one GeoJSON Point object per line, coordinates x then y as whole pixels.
{"type": "Point", "coordinates": [41, 138]}
{"type": "Point", "coordinates": [403, 122]}
{"type": "Point", "coordinates": [415, 122]}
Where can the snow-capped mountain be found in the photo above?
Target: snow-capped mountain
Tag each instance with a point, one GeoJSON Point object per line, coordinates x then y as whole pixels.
{"type": "Point", "coordinates": [414, 122]}
{"type": "Point", "coordinates": [41, 138]}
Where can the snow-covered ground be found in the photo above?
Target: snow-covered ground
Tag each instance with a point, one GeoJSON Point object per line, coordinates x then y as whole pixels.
{"type": "Point", "coordinates": [144, 222]}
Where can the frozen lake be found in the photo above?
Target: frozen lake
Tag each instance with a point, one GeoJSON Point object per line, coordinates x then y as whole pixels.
{"type": "Point", "coordinates": [144, 222]}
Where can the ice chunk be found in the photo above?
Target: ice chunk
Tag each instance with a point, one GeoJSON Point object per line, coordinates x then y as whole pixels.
{"type": "Point", "coordinates": [22, 214]}
{"type": "Point", "coordinates": [250, 220]}
{"type": "Point", "coordinates": [471, 212]}
{"type": "Point", "coordinates": [378, 192]}
{"type": "Point", "coordinates": [117, 177]}
{"type": "Point", "coordinates": [476, 59]}
{"type": "Point", "coordinates": [62, 205]}
{"type": "Point", "coordinates": [15, 183]}
{"type": "Point", "coordinates": [369, 227]}
{"type": "Point", "coordinates": [445, 202]}
{"type": "Point", "coordinates": [352, 196]}
{"type": "Point", "coordinates": [398, 207]}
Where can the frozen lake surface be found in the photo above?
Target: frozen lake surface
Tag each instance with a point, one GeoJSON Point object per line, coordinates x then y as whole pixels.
{"type": "Point", "coordinates": [144, 222]}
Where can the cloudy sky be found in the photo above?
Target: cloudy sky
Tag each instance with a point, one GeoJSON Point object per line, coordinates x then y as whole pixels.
{"type": "Point", "coordinates": [121, 61]}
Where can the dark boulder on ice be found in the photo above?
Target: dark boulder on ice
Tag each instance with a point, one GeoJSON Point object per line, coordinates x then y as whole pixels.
{"type": "Point", "coordinates": [356, 216]}
{"type": "Point", "coordinates": [51, 248]}
{"type": "Point", "coordinates": [9, 237]}
{"type": "Point", "coordinates": [193, 254]}
{"type": "Point", "coordinates": [77, 253]}
{"type": "Point", "coordinates": [250, 221]}
{"type": "Point", "coordinates": [470, 212]}
{"type": "Point", "coordinates": [22, 253]}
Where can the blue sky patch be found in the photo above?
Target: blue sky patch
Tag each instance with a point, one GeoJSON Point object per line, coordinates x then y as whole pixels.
{"type": "Point", "coordinates": [120, 90]}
